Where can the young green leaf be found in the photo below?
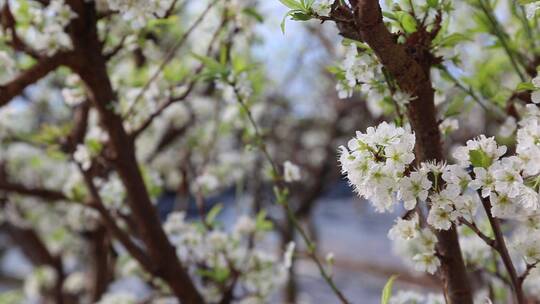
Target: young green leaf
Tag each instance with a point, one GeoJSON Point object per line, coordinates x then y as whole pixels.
{"type": "Point", "coordinates": [525, 86]}
{"type": "Point", "coordinates": [433, 3]}
{"type": "Point", "coordinates": [479, 158]}
{"type": "Point", "coordinates": [292, 4]}
{"type": "Point", "coordinates": [387, 290]}
{"type": "Point", "coordinates": [213, 213]}
{"type": "Point", "coordinates": [407, 22]}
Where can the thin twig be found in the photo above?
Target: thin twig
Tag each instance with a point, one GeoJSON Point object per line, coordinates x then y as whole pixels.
{"type": "Point", "coordinates": [170, 55]}
{"type": "Point", "coordinates": [277, 180]}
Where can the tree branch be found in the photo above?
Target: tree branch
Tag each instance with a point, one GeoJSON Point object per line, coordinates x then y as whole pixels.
{"type": "Point", "coordinates": [503, 252]}
{"type": "Point", "coordinates": [412, 74]}
{"type": "Point", "coordinates": [46, 194]}
{"type": "Point", "coordinates": [30, 76]}
{"type": "Point", "coordinates": [90, 65]}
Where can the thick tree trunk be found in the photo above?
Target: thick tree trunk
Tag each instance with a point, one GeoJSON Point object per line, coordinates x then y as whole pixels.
{"type": "Point", "coordinates": [413, 78]}
{"type": "Point", "coordinates": [90, 64]}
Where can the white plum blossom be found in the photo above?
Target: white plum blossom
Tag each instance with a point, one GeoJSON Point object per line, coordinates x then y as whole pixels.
{"type": "Point", "coordinates": [291, 172]}
{"type": "Point", "coordinates": [531, 9]}
{"type": "Point", "coordinates": [404, 229]}
{"type": "Point", "coordinates": [75, 282]}
{"type": "Point", "coordinates": [74, 94]}
{"type": "Point", "coordinates": [245, 225]}
{"type": "Point", "coordinates": [83, 157]}
{"type": "Point", "coordinates": [529, 247]}
{"type": "Point", "coordinates": [413, 187]}
{"type": "Point", "coordinates": [207, 182]}
{"type": "Point", "coordinates": [138, 12]}
{"type": "Point", "coordinates": [501, 205]}
{"type": "Point", "coordinates": [47, 31]}
{"type": "Point", "coordinates": [358, 69]}
{"type": "Point", "coordinates": [322, 7]}
{"type": "Point", "coordinates": [41, 279]}
{"type": "Point", "coordinates": [403, 98]}
{"type": "Point", "coordinates": [214, 248]}
{"type": "Point", "coordinates": [112, 192]}
{"type": "Point", "coordinates": [448, 125]}
{"type": "Point", "coordinates": [450, 203]}
{"type": "Point", "coordinates": [507, 176]}
{"type": "Point", "coordinates": [529, 199]}
{"type": "Point", "coordinates": [426, 262]}
{"type": "Point", "coordinates": [486, 145]}
{"type": "Point", "coordinates": [288, 255]}
{"type": "Point", "coordinates": [456, 176]}
{"type": "Point", "coordinates": [483, 180]}
{"type": "Point", "coordinates": [528, 146]}
{"type": "Point", "coordinates": [441, 216]}
{"type": "Point", "coordinates": [375, 161]}
{"type": "Point", "coordinates": [466, 206]}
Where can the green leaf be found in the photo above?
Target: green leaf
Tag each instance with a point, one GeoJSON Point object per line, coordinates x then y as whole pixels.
{"type": "Point", "coordinates": [292, 4]}
{"type": "Point", "coordinates": [433, 3]}
{"type": "Point", "coordinates": [94, 146]}
{"type": "Point", "coordinates": [218, 274]}
{"type": "Point", "coordinates": [282, 24]}
{"type": "Point", "coordinates": [297, 14]}
{"type": "Point", "coordinates": [214, 69]}
{"type": "Point", "coordinates": [390, 15]}
{"type": "Point", "coordinates": [452, 40]}
{"type": "Point", "coordinates": [223, 52]}
{"type": "Point", "coordinates": [175, 71]}
{"type": "Point", "coordinates": [525, 86]}
{"type": "Point", "coordinates": [300, 16]}
{"type": "Point", "coordinates": [479, 158]}
{"type": "Point", "coordinates": [407, 21]}
{"type": "Point", "coordinates": [162, 22]}
{"type": "Point", "coordinates": [307, 4]}
{"type": "Point", "coordinates": [387, 290]}
{"type": "Point", "coordinates": [213, 213]}
{"type": "Point", "coordinates": [523, 2]}
{"type": "Point", "coordinates": [261, 223]}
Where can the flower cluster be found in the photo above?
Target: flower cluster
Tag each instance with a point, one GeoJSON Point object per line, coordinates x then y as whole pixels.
{"type": "Point", "coordinates": [226, 256]}
{"type": "Point", "coordinates": [358, 69]}
{"type": "Point", "coordinates": [46, 26]}
{"type": "Point", "coordinates": [376, 161]}
{"type": "Point", "coordinates": [418, 243]}
{"type": "Point", "coordinates": [531, 9]}
{"type": "Point", "coordinates": [138, 12]}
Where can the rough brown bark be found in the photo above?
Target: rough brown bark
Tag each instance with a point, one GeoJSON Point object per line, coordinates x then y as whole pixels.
{"type": "Point", "coordinates": [101, 272]}
{"type": "Point", "coordinates": [90, 64]}
{"type": "Point", "coordinates": [413, 78]}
